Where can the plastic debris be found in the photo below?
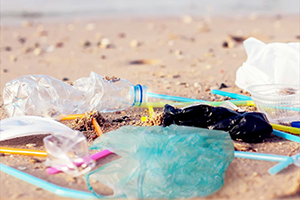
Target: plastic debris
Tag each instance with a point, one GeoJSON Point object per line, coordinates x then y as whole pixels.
{"type": "Point", "coordinates": [29, 125]}
{"type": "Point", "coordinates": [42, 95]}
{"type": "Point", "coordinates": [164, 162]}
{"type": "Point", "coordinates": [68, 152]}
{"type": "Point", "coordinates": [245, 126]}
{"type": "Point", "coordinates": [275, 63]}
{"type": "Point", "coordinates": [58, 190]}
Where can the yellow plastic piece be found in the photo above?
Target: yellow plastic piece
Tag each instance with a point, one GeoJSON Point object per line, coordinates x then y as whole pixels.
{"type": "Point", "coordinates": [26, 152]}
{"type": "Point", "coordinates": [286, 128]}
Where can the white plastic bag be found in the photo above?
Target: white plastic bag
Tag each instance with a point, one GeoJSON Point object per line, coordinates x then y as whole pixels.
{"type": "Point", "coordinates": [29, 125]}
{"type": "Point", "coordinates": [274, 63]}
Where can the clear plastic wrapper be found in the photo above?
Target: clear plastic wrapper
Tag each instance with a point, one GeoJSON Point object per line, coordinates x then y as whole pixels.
{"type": "Point", "coordinates": [164, 162]}
{"type": "Point", "coordinates": [68, 152]}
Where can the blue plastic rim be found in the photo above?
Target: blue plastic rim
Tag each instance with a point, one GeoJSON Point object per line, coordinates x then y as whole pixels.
{"type": "Point", "coordinates": [295, 124]}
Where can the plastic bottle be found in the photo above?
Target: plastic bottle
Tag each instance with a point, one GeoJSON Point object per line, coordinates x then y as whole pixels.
{"type": "Point", "coordinates": [46, 96]}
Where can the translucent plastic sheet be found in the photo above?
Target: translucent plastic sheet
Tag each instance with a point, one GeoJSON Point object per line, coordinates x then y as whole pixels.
{"type": "Point", "coordinates": [164, 162]}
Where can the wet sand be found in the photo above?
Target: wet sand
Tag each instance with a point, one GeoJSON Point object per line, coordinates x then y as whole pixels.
{"type": "Point", "coordinates": [188, 58]}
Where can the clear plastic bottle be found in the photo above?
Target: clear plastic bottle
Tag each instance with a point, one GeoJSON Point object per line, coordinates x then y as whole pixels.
{"type": "Point", "coordinates": [46, 96]}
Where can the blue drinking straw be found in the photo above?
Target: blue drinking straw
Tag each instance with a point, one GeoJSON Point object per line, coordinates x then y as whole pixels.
{"type": "Point", "coordinates": [280, 166]}
{"type": "Point", "coordinates": [286, 136]}
{"type": "Point", "coordinates": [243, 97]}
{"type": "Point", "coordinates": [231, 95]}
{"type": "Point", "coordinates": [173, 98]}
{"type": "Point", "coordinates": [284, 161]}
{"type": "Point", "coordinates": [58, 190]}
{"type": "Point", "coordinates": [260, 156]}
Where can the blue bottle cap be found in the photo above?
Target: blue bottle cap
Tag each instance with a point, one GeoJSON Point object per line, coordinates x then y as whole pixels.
{"type": "Point", "coordinates": [296, 124]}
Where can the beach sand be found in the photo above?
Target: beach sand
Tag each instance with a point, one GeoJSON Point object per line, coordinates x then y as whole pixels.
{"type": "Point", "coordinates": [188, 58]}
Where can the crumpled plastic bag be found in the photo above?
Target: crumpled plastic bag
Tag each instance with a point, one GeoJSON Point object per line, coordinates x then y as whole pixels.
{"type": "Point", "coordinates": [245, 126]}
{"type": "Point", "coordinates": [274, 63]}
{"type": "Point", "coordinates": [164, 162]}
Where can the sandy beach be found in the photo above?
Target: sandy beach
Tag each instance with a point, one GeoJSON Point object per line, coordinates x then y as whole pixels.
{"type": "Point", "coordinates": [183, 56]}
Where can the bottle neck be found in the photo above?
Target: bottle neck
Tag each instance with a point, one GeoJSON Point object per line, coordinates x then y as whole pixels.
{"type": "Point", "coordinates": [140, 94]}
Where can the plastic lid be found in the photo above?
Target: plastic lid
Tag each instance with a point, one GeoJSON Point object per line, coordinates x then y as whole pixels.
{"type": "Point", "coordinates": [296, 124]}
{"type": "Point", "coordinates": [140, 94]}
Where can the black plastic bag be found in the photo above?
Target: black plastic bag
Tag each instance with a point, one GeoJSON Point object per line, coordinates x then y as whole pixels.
{"type": "Point", "coordinates": [245, 126]}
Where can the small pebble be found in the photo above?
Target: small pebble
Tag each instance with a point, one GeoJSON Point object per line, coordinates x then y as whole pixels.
{"type": "Point", "coordinates": [30, 145]}
{"type": "Point", "coordinates": [4, 70]}
{"type": "Point", "coordinates": [12, 58]}
{"type": "Point", "coordinates": [187, 19]}
{"type": "Point", "coordinates": [37, 51]}
{"type": "Point", "coordinates": [208, 66]}
{"type": "Point", "coordinates": [197, 85]}
{"type": "Point", "coordinates": [22, 168]}
{"type": "Point", "coordinates": [178, 53]}
{"type": "Point", "coordinates": [121, 35]}
{"type": "Point", "coordinates": [223, 86]}
{"type": "Point", "coordinates": [103, 57]}
{"type": "Point", "coordinates": [26, 24]}
{"type": "Point", "coordinates": [85, 43]}
{"type": "Point", "coordinates": [42, 33]}
{"type": "Point", "coordinates": [171, 43]}
{"type": "Point", "coordinates": [277, 24]}
{"type": "Point", "coordinates": [105, 43]}
{"type": "Point", "coordinates": [59, 44]}
{"type": "Point", "coordinates": [70, 27]}
{"type": "Point", "coordinates": [22, 40]}
{"type": "Point", "coordinates": [65, 79]}
{"type": "Point", "coordinates": [50, 48]}
{"type": "Point", "coordinates": [71, 179]}
{"type": "Point", "coordinates": [90, 27]}
{"type": "Point", "coordinates": [35, 160]}
{"type": "Point", "coordinates": [134, 43]}
{"type": "Point", "coordinates": [7, 48]}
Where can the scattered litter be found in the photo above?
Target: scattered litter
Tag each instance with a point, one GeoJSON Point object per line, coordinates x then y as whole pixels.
{"type": "Point", "coordinates": [43, 95]}
{"type": "Point", "coordinates": [247, 127]}
{"type": "Point", "coordinates": [153, 159]}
